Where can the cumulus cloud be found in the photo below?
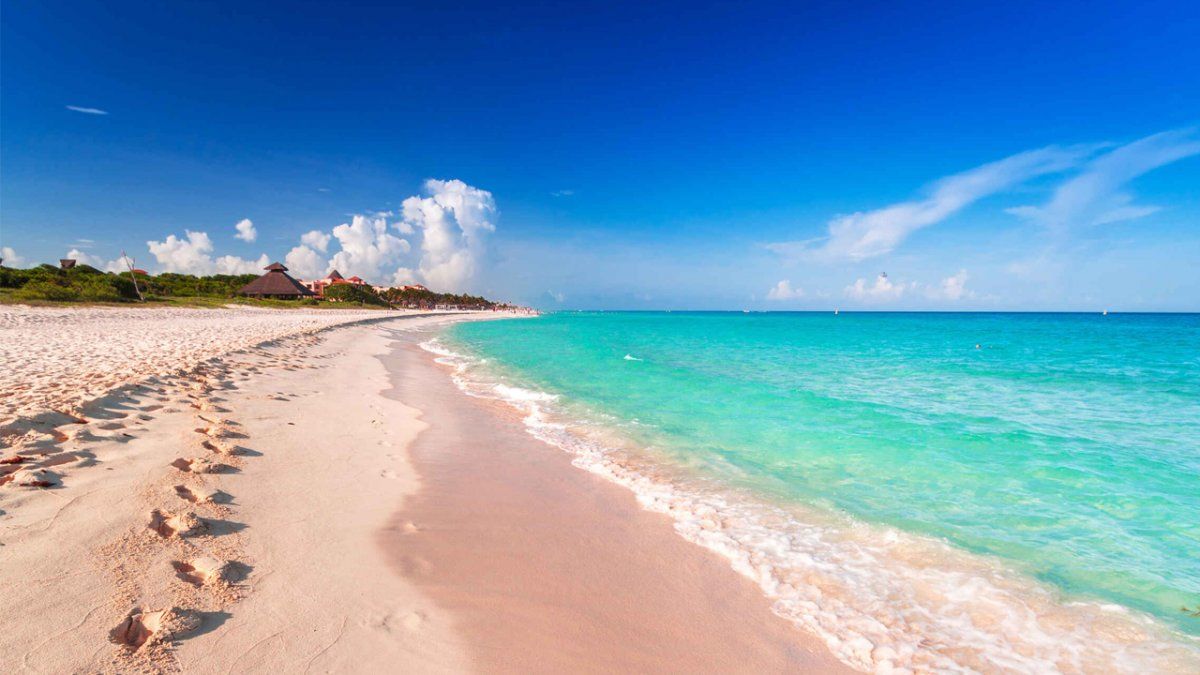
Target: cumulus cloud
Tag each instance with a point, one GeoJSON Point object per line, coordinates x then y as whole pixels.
{"type": "Point", "coordinates": [193, 255]}
{"type": "Point", "coordinates": [231, 264]}
{"type": "Point", "coordinates": [11, 259]}
{"type": "Point", "coordinates": [316, 240]}
{"type": "Point", "coordinates": [87, 111]}
{"type": "Point", "coordinates": [784, 291]}
{"type": "Point", "coordinates": [84, 258]}
{"type": "Point", "coordinates": [952, 288]}
{"type": "Point", "coordinates": [245, 230]}
{"type": "Point", "coordinates": [868, 234]}
{"type": "Point", "coordinates": [305, 263]}
{"type": "Point", "coordinates": [1095, 196]}
{"type": "Point", "coordinates": [883, 290]}
{"type": "Point", "coordinates": [404, 276]}
{"type": "Point", "coordinates": [454, 220]}
{"type": "Point", "coordinates": [367, 248]}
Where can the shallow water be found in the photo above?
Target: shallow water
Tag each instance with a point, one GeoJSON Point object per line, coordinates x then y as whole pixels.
{"type": "Point", "coordinates": [928, 491]}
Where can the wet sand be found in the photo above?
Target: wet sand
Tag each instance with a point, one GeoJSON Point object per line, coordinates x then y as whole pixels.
{"type": "Point", "coordinates": [547, 568]}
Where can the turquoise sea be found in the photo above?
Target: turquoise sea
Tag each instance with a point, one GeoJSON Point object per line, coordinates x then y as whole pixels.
{"type": "Point", "coordinates": [923, 490]}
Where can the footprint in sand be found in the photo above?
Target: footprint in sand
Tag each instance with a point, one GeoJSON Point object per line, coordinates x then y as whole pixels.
{"type": "Point", "coordinates": [387, 473]}
{"type": "Point", "coordinates": [200, 494]}
{"type": "Point", "coordinates": [184, 524]}
{"type": "Point", "coordinates": [203, 571]}
{"type": "Point", "coordinates": [409, 527]}
{"type": "Point", "coordinates": [144, 627]}
{"type": "Point", "coordinates": [32, 478]}
{"type": "Point", "coordinates": [414, 620]}
{"type": "Point", "coordinates": [220, 447]}
{"type": "Point", "coordinates": [200, 465]}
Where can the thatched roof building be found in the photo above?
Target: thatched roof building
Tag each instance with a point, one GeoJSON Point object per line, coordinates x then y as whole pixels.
{"type": "Point", "coordinates": [275, 284]}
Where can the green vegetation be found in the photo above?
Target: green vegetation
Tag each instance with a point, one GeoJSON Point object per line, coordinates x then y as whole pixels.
{"type": "Point", "coordinates": [361, 295]}
{"type": "Point", "coordinates": [423, 298]}
{"type": "Point", "coordinates": [82, 283]}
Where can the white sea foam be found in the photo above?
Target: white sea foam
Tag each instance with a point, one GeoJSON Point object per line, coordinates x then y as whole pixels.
{"type": "Point", "coordinates": [883, 600]}
{"type": "Point", "coordinates": [631, 357]}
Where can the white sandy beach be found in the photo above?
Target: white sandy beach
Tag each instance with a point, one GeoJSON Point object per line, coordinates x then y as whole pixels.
{"type": "Point", "coordinates": [244, 497]}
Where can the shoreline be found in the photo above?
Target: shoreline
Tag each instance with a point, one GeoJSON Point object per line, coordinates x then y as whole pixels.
{"type": "Point", "coordinates": [340, 500]}
{"type": "Point", "coordinates": [877, 596]}
{"type": "Point", "coordinates": [546, 568]}
{"type": "Point", "coordinates": [266, 509]}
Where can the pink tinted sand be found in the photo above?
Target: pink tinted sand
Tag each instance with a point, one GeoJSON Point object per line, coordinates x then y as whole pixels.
{"type": "Point", "coordinates": [547, 568]}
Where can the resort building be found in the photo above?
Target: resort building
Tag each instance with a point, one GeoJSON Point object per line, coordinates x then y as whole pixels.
{"type": "Point", "coordinates": [276, 283]}
{"type": "Point", "coordinates": [318, 286]}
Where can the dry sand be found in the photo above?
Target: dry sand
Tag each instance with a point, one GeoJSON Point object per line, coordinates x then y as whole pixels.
{"type": "Point", "coordinates": [240, 508]}
{"type": "Point", "coordinates": [209, 514]}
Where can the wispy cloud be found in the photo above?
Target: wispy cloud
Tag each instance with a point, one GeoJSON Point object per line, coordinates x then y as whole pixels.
{"type": "Point", "coordinates": [87, 111]}
{"type": "Point", "coordinates": [867, 234]}
{"type": "Point", "coordinates": [562, 193]}
{"type": "Point", "coordinates": [1095, 196]}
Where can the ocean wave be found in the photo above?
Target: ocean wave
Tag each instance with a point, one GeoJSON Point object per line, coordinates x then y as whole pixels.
{"type": "Point", "coordinates": [882, 599]}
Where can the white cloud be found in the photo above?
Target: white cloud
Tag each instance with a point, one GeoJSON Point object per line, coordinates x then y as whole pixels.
{"type": "Point", "coordinates": [245, 230]}
{"type": "Point", "coordinates": [562, 193]}
{"type": "Point", "coordinates": [121, 264]}
{"type": "Point", "coordinates": [952, 288]}
{"type": "Point", "coordinates": [193, 256]}
{"type": "Point", "coordinates": [784, 291]}
{"type": "Point", "coordinates": [1094, 197]}
{"type": "Point", "coordinates": [868, 234]}
{"type": "Point", "coordinates": [83, 258]}
{"type": "Point", "coordinates": [316, 240]}
{"type": "Point", "coordinates": [87, 111]}
{"type": "Point", "coordinates": [883, 290]}
{"type": "Point", "coordinates": [230, 264]}
{"type": "Point", "coordinates": [305, 263]}
{"type": "Point", "coordinates": [454, 219]}
{"type": "Point", "coordinates": [11, 259]}
{"type": "Point", "coordinates": [366, 248]}
{"type": "Point", "coordinates": [404, 276]}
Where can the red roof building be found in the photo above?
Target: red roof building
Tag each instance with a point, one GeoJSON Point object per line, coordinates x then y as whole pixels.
{"type": "Point", "coordinates": [318, 286]}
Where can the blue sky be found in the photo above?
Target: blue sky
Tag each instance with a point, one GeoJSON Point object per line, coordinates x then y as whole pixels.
{"type": "Point", "coordinates": [678, 155]}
